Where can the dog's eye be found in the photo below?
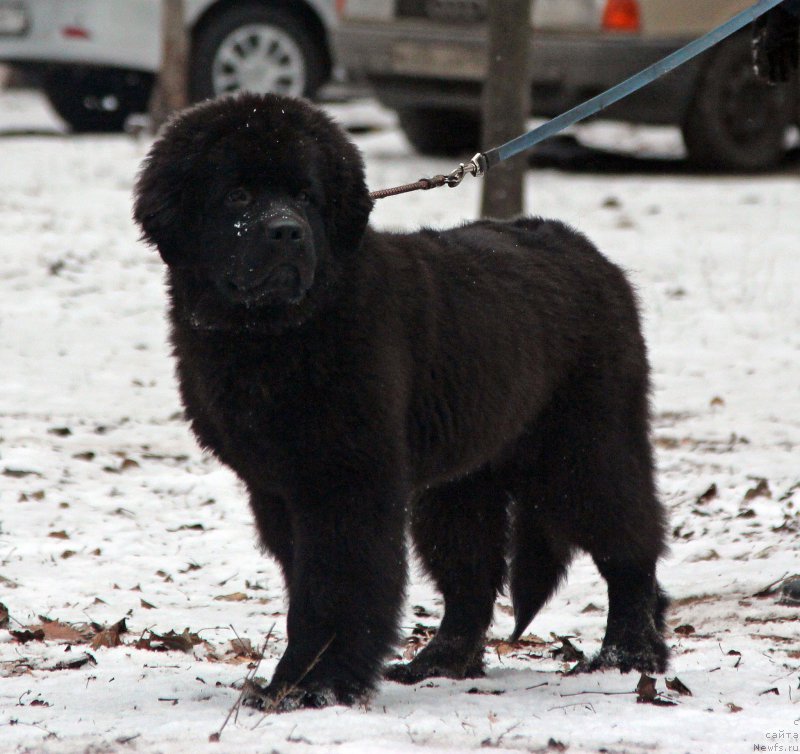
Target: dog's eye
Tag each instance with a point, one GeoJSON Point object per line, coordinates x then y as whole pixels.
{"type": "Point", "coordinates": [239, 197]}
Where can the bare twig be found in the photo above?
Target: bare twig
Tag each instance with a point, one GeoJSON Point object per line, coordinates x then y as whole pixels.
{"type": "Point", "coordinates": [537, 686]}
{"type": "Point", "coordinates": [574, 704]}
{"type": "Point", "coordinates": [214, 737]}
{"type": "Point", "coordinates": [767, 590]}
{"type": "Point", "coordinates": [495, 742]}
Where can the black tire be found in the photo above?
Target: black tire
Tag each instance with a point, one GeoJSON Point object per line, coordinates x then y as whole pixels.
{"type": "Point", "coordinates": [97, 99]}
{"type": "Point", "coordinates": [735, 121]}
{"type": "Point", "coordinates": [447, 133]}
{"type": "Point", "coordinates": [217, 32]}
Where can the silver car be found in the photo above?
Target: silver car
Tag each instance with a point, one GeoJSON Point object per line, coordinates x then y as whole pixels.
{"type": "Point", "coordinates": [426, 59]}
{"type": "Point", "coordinates": [96, 59]}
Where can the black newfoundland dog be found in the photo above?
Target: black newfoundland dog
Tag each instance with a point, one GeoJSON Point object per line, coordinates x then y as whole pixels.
{"type": "Point", "coordinates": [487, 385]}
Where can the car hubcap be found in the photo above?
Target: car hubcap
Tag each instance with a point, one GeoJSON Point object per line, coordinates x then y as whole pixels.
{"type": "Point", "coordinates": [259, 58]}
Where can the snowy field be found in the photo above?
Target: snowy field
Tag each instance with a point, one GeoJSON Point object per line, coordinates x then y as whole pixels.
{"type": "Point", "coordinates": [109, 511]}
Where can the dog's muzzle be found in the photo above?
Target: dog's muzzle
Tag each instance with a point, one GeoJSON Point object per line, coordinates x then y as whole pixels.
{"type": "Point", "coordinates": [275, 263]}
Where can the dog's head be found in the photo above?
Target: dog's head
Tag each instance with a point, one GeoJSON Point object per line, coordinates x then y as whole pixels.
{"type": "Point", "coordinates": [257, 201]}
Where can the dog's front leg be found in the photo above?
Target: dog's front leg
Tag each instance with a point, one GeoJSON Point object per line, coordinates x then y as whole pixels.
{"type": "Point", "coordinates": [345, 594]}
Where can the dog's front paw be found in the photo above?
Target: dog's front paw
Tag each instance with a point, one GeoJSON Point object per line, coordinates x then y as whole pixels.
{"type": "Point", "coordinates": [289, 699]}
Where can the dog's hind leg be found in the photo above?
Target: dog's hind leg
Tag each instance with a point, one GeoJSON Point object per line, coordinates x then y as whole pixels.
{"type": "Point", "coordinates": [459, 531]}
{"type": "Point", "coordinates": [599, 456]}
{"type": "Point", "coordinates": [636, 606]}
{"type": "Point", "coordinates": [624, 533]}
{"type": "Point", "coordinates": [584, 479]}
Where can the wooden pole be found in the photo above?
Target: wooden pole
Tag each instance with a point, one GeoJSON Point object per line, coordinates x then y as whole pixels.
{"type": "Point", "coordinates": [171, 92]}
{"type": "Point", "coordinates": [506, 103]}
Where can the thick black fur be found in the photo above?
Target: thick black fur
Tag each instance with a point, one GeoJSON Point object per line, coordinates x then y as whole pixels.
{"type": "Point", "coordinates": [489, 383]}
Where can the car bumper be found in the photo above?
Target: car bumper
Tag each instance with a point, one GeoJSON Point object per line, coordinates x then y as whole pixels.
{"type": "Point", "coordinates": [96, 32]}
{"type": "Point", "coordinates": [414, 65]}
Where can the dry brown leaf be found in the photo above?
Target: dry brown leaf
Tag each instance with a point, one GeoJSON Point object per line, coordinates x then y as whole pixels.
{"type": "Point", "coordinates": [708, 495]}
{"type": "Point", "coordinates": [646, 693]}
{"type": "Point", "coordinates": [110, 636]}
{"type": "Point", "coordinates": [503, 648]}
{"type": "Point", "coordinates": [646, 689]}
{"type": "Point", "coordinates": [4, 618]}
{"type": "Point", "coordinates": [526, 642]}
{"type": "Point", "coordinates": [706, 557]}
{"type": "Point", "coordinates": [760, 490]}
{"type": "Point", "coordinates": [24, 497]}
{"type": "Point", "coordinates": [567, 652]}
{"type": "Point", "coordinates": [182, 642]}
{"type": "Point", "coordinates": [486, 692]}
{"type": "Point", "coordinates": [55, 630]}
{"type": "Point", "coordinates": [19, 473]}
{"type": "Point", "coordinates": [676, 684]}
{"type": "Point", "coordinates": [234, 597]}
{"type": "Point", "coordinates": [58, 535]}
{"type": "Point", "coordinates": [244, 649]}
{"type": "Point", "coordinates": [24, 636]}
{"type": "Point", "coordinates": [73, 663]}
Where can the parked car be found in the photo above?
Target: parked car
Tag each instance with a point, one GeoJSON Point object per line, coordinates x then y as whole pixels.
{"type": "Point", "coordinates": [96, 59]}
{"type": "Point", "coordinates": [426, 60]}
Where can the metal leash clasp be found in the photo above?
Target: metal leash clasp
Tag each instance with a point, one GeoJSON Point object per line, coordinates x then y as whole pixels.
{"type": "Point", "coordinates": [475, 167]}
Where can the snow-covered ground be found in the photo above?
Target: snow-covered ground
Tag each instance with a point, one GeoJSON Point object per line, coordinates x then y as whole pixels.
{"type": "Point", "coordinates": [110, 511]}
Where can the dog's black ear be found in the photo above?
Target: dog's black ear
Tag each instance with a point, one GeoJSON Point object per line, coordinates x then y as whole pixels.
{"type": "Point", "coordinates": [352, 204]}
{"type": "Point", "coordinates": [349, 202]}
{"type": "Point", "coordinates": [352, 208]}
{"type": "Point", "coordinates": [159, 204]}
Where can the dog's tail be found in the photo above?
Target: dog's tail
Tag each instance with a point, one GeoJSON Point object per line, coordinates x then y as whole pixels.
{"type": "Point", "coordinates": [535, 573]}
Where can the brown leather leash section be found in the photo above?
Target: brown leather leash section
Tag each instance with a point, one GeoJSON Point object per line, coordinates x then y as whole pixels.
{"type": "Point", "coordinates": [476, 166]}
{"type": "Point", "coordinates": [423, 184]}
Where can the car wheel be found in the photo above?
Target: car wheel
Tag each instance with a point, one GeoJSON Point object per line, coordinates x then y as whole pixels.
{"type": "Point", "coordinates": [447, 133]}
{"type": "Point", "coordinates": [257, 48]}
{"type": "Point", "coordinates": [97, 99]}
{"type": "Point", "coordinates": [735, 121]}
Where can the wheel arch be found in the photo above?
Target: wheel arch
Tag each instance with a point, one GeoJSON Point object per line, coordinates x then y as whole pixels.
{"type": "Point", "coordinates": [299, 9]}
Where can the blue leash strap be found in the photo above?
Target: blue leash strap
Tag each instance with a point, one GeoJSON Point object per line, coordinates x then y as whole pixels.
{"type": "Point", "coordinates": [483, 161]}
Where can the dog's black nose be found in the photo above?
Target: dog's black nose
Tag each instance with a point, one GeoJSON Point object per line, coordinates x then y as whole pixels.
{"type": "Point", "coordinates": [284, 231]}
